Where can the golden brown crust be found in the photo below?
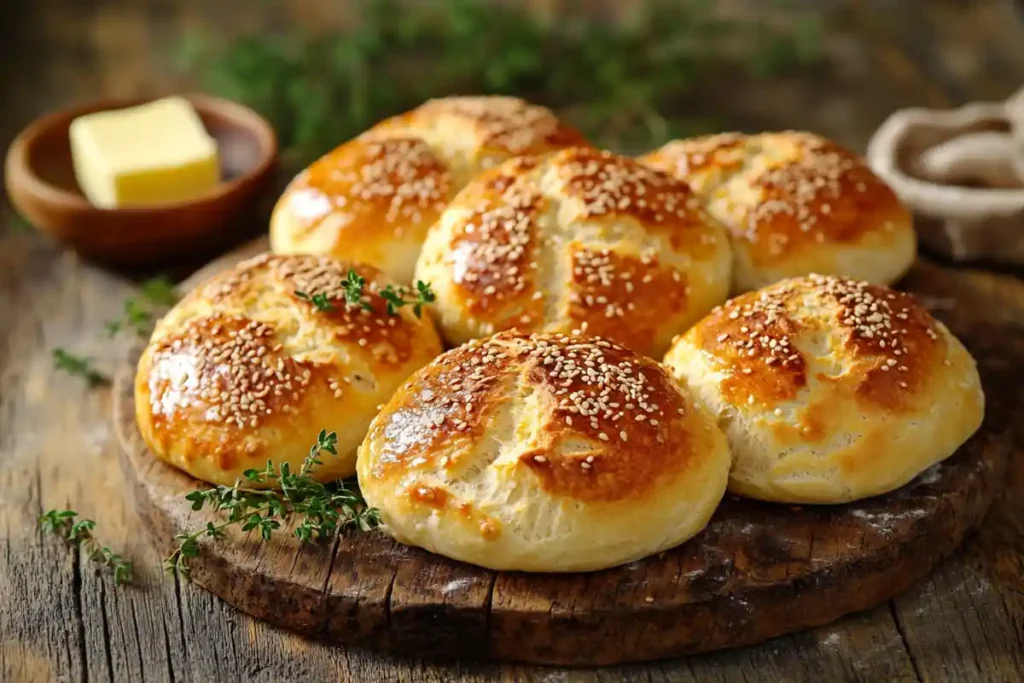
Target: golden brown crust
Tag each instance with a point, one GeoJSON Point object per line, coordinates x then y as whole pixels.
{"type": "Point", "coordinates": [702, 162]}
{"type": "Point", "coordinates": [495, 247]}
{"type": "Point", "coordinates": [888, 336]}
{"type": "Point", "coordinates": [373, 198]}
{"type": "Point", "coordinates": [606, 184]}
{"type": "Point", "coordinates": [626, 408]}
{"type": "Point", "coordinates": [579, 239]}
{"type": "Point", "coordinates": [623, 297]}
{"type": "Point", "coordinates": [749, 331]}
{"type": "Point", "coordinates": [399, 182]}
{"type": "Point", "coordinates": [444, 403]}
{"type": "Point", "coordinates": [499, 126]}
{"type": "Point", "coordinates": [235, 375]}
{"type": "Point", "coordinates": [818, 192]}
{"type": "Point", "coordinates": [794, 203]}
{"type": "Point", "coordinates": [830, 389]}
{"type": "Point", "coordinates": [542, 452]}
{"type": "Point", "coordinates": [245, 369]}
{"type": "Point", "coordinates": [606, 394]}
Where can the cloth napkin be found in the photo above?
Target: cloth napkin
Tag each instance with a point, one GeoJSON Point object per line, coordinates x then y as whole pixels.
{"type": "Point", "coordinates": [962, 174]}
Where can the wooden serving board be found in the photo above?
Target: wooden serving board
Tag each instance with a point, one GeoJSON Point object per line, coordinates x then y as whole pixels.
{"type": "Point", "coordinates": [756, 572]}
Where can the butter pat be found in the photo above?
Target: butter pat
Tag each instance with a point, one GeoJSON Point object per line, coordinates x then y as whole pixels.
{"type": "Point", "coordinates": [155, 153]}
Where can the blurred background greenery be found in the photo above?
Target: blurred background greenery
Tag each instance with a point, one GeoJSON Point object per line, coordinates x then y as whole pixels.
{"type": "Point", "coordinates": [624, 82]}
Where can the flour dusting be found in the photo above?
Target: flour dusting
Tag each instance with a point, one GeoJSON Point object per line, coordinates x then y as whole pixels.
{"type": "Point", "coordinates": [931, 475]}
{"type": "Point", "coordinates": [883, 522]}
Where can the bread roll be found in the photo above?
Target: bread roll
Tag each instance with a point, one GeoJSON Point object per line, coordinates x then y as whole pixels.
{"type": "Point", "coordinates": [576, 240]}
{"type": "Point", "coordinates": [829, 389]}
{"type": "Point", "coordinates": [243, 370]}
{"type": "Point", "coordinates": [795, 203]}
{"type": "Point", "coordinates": [543, 453]}
{"type": "Point", "coordinates": [373, 198]}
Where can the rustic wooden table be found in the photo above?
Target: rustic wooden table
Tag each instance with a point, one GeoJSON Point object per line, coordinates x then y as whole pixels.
{"type": "Point", "coordinates": [61, 620]}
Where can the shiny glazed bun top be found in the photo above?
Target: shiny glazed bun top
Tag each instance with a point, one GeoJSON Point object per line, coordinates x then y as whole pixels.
{"type": "Point", "coordinates": [576, 240]}
{"type": "Point", "coordinates": [543, 453]}
{"type": "Point", "coordinates": [253, 364]}
{"type": "Point", "coordinates": [795, 203]}
{"type": "Point", "coordinates": [830, 389]}
{"type": "Point", "coordinates": [373, 198]}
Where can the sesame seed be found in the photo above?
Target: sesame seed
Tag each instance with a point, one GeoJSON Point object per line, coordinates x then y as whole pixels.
{"type": "Point", "coordinates": [592, 379]}
{"type": "Point", "coordinates": [867, 311]}
{"type": "Point", "coordinates": [804, 187]}
{"type": "Point", "coordinates": [236, 370]}
{"type": "Point", "coordinates": [508, 123]}
{"type": "Point", "coordinates": [498, 257]}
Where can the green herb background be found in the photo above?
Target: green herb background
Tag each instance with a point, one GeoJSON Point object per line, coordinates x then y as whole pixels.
{"type": "Point", "coordinates": [625, 84]}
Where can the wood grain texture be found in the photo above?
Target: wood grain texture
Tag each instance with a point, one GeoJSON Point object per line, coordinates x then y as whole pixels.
{"type": "Point", "coordinates": [61, 620]}
{"type": "Point", "coordinates": [758, 571]}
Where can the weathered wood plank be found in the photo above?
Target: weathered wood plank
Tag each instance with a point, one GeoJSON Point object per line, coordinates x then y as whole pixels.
{"type": "Point", "coordinates": [41, 633]}
{"type": "Point", "coordinates": [967, 622]}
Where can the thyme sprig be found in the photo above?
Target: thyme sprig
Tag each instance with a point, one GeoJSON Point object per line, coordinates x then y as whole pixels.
{"type": "Point", "coordinates": [78, 366]}
{"type": "Point", "coordinates": [18, 224]}
{"type": "Point", "coordinates": [394, 297]}
{"type": "Point", "coordinates": [323, 508]}
{"type": "Point", "coordinates": [139, 312]}
{"type": "Point", "coordinates": [353, 285]}
{"type": "Point", "coordinates": [321, 302]}
{"type": "Point", "coordinates": [404, 296]}
{"type": "Point", "coordinates": [629, 84]}
{"type": "Point", "coordinates": [79, 532]}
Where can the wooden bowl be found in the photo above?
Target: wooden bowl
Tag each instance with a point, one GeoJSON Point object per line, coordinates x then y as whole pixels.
{"type": "Point", "coordinates": [41, 184]}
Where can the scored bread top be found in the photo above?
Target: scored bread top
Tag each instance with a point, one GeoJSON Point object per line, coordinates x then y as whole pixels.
{"type": "Point", "coordinates": [627, 410]}
{"type": "Point", "coordinates": [795, 203]}
{"type": "Point", "coordinates": [482, 130]}
{"type": "Point", "coordinates": [888, 340]}
{"type": "Point", "coordinates": [579, 239]}
{"type": "Point", "coordinates": [830, 389]}
{"type": "Point", "coordinates": [496, 435]}
{"type": "Point", "coordinates": [247, 367]}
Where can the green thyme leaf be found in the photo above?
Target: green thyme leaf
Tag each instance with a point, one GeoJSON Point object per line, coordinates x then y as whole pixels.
{"type": "Point", "coordinates": [321, 508]}
{"type": "Point", "coordinates": [79, 532]}
{"type": "Point", "coordinates": [78, 366]}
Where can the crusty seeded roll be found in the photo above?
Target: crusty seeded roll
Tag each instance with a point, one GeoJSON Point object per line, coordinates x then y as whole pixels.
{"type": "Point", "coordinates": [543, 453]}
{"type": "Point", "coordinates": [373, 198]}
{"type": "Point", "coordinates": [795, 203]}
{"type": "Point", "coordinates": [243, 370]}
{"type": "Point", "coordinates": [576, 240]}
{"type": "Point", "coordinates": [830, 390]}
